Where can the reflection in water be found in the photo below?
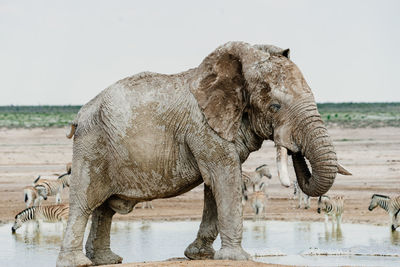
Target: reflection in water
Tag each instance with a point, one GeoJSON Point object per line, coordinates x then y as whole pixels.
{"type": "Point", "coordinates": [145, 226]}
{"type": "Point", "coordinates": [145, 241]}
{"type": "Point", "coordinates": [121, 226]}
{"type": "Point", "coordinates": [37, 234]}
{"type": "Point", "coordinates": [334, 234]}
{"type": "Point", "coordinates": [302, 231]}
{"type": "Point", "coordinates": [395, 237]}
{"type": "Point", "coordinates": [259, 231]}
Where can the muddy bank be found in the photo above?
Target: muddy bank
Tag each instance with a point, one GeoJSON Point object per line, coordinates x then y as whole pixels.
{"type": "Point", "coordinates": [184, 263]}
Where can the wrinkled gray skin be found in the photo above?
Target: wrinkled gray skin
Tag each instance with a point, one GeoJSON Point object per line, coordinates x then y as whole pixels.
{"type": "Point", "coordinates": [157, 136]}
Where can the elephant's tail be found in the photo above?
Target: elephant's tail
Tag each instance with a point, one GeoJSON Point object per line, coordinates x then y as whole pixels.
{"type": "Point", "coordinates": [72, 132]}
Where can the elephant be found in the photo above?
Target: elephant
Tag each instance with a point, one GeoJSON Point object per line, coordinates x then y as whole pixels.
{"type": "Point", "coordinates": [153, 135]}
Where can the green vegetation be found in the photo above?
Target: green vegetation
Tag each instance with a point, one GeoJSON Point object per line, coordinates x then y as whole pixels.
{"type": "Point", "coordinates": [352, 115]}
{"type": "Point", "coordinates": [359, 115]}
{"type": "Point", "coordinates": [37, 116]}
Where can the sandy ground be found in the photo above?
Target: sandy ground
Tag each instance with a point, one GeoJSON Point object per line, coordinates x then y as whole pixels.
{"type": "Point", "coordinates": [372, 155]}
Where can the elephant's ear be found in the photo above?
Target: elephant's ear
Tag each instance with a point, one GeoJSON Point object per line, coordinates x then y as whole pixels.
{"type": "Point", "coordinates": [274, 50]}
{"type": "Point", "coordinates": [218, 90]}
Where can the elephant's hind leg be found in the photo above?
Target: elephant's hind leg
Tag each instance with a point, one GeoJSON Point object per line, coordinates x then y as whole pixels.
{"type": "Point", "coordinates": [98, 243]}
{"type": "Point", "coordinates": [202, 248]}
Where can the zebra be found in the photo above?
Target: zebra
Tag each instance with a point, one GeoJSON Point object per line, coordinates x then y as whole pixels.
{"type": "Point", "coordinates": [47, 187]}
{"type": "Point", "coordinates": [255, 180]}
{"type": "Point", "coordinates": [258, 202]}
{"type": "Point", "coordinates": [246, 180]}
{"type": "Point", "coordinates": [257, 177]}
{"type": "Point", "coordinates": [52, 213]}
{"type": "Point", "coordinates": [298, 193]}
{"type": "Point", "coordinates": [146, 205]}
{"type": "Point", "coordinates": [31, 196]}
{"type": "Point", "coordinates": [332, 207]}
{"type": "Point", "coordinates": [396, 222]}
{"type": "Point", "coordinates": [390, 205]}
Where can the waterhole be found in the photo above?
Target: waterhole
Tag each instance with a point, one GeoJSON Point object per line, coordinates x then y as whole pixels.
{"type": "Point", "coordinates": [292, 243]}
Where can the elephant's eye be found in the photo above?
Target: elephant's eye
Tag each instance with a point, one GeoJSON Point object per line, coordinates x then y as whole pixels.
{"type": "Point", "coordinates": [274, 107]}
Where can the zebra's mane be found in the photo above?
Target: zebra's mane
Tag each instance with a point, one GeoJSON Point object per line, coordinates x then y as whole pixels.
{"type": "Point", "coordinates": [259, 167]}
{"type": "Point", "coordinates": [25, 210]}
{"type": "Point", "coordinates": [378, 195]}
{"type": "Point", "coordinates": [397, 213]}
{"type": "Point", "coordinates": [37, 179]}
{"type": "Point", "coordinates": [62, 175]}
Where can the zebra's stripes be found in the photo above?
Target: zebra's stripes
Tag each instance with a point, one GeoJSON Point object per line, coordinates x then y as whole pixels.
{"type": "Point", "coordinates": [332, 207]}
{"type": "Point", "coordinates": [52, 213]}
{"type": "Point", "coordinates": [31, 196]}
{"type": "Point", "coordinates": [390, 205]}
{"type": "Point", "coordinates": [64, 179]}
{"type": "Point", "coordinates": [258, 202]}
{"type": "Point", "coordinates": [255, 180]}
{"type": "Point", "coordinates": [47, 187]}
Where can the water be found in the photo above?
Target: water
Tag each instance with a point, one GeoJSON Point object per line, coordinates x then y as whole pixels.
{"type": "Point", "coordinates": [292, 243]}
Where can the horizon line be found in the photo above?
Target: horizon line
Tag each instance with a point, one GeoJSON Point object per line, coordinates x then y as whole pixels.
{"type": "Point", "coordinates": [74, 105]}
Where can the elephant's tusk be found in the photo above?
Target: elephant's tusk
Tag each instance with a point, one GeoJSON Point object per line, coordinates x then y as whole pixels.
{"type": "Point", "coordinates": [72, 132]}
{"type": "Point", "coordinates": [342, 170]}
{"type": "Point", "coordinates": [282, 162]}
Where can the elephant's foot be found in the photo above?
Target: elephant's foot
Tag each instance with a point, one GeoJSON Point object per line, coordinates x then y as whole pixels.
{"type": "Point", "coordinates": [236, 254]}
{"type": "Point", "coordinates": [72, 259]}
{"type": "Point", "coordinates": [103, 257]}
{"type": "Point", "coordinates": [197, 251]}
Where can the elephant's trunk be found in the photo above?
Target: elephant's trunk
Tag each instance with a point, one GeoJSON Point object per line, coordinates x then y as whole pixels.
{"type": "Point", "coordinates": [316, 146]}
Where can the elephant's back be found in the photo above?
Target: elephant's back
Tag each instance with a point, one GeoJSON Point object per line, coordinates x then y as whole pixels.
{"type": "Point", "coordinates": [117, 106]}
{"type": "Point", "coordinates": [149, 88]}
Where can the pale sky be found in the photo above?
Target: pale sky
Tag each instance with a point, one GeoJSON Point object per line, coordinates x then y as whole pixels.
{"type": "Point", "coordinates": [66, 52]}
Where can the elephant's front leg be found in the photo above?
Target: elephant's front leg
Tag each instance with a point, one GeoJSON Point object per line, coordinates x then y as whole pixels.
{"type": "Point", "coordinates": [201, 248]}
{"type": "Point", "coordinates": [98, 243]}
{"type": "Point", "coordinates": [226, 186]}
